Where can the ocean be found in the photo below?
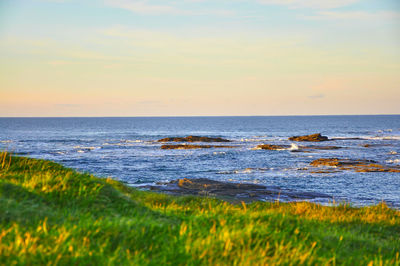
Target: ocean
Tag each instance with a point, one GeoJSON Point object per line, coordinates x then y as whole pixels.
{"type": "Point", "coordinates": [126, 149]}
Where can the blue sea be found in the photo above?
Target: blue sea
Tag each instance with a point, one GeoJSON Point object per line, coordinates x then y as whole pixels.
{"type": "Point", "coordinates": [126, 149]}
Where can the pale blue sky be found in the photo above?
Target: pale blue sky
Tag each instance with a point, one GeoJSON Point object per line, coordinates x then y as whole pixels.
{"type": "Point", "coordinates": [194, 57]}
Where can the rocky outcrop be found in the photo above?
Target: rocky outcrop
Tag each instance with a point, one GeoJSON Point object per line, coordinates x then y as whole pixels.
{"type": "Point", "coordinates": [296, 148]}
{"type": "Point", "coordinates": [272, 147]}
{"type": "Point", "coordinates": [193, 139]}
{"type": "Point", "coordinates": [339, 162]}
{"type": "Point", "coordinates": [188, 146]}
{"type": "Point", "coordinates": [312, 137]}
{"type": "Point", "coordinates": [234, 192]}
{"type": "Point", "coordinates": [355, 165]}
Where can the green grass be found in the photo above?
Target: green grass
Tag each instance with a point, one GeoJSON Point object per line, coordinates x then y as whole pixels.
{"type": "Point", "coordinates": [53, 215]}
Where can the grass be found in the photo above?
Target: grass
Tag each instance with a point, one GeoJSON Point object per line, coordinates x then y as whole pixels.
{"type": "Point", "coordinates": [50, 214]}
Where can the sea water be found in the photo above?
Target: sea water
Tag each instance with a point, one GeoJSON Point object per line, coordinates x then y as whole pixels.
{"type": "Point", "coordinates": [126, 149]}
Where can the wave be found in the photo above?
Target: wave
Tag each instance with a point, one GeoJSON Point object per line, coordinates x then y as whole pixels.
{"type": "Point", "coordinates": [128, 142]}
{"type": "Point", "coordinates": [81, 149]}
{"type": "Point", "coordinates": [385, 130]}
{"type": "Point", "coordinates": [261, 139]}
{"type": "Point", "coordinates": [389, 137]}
{"type": "Point", "coordinates": [252, 140]}
{"type": "Point", "coordinates": [395, 161]}
{"type": "Point", "coordinates": [293, 147]}
{"type": "Point", "coordinates": [245, 171]}
{"type": "Point", "coordinates": [6, 141]}
{"type": "Point", "coordinates": [383, 138]}
{"type": "Point", "coordinates": [86, 148]}
{"type": "Point", "coordinates": [118, 144]}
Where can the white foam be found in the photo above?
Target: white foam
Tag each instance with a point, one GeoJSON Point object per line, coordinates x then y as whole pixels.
{"type": "Point", "coordinates": [393, 161]}
{"type": "Point", "coordinates": [244, 171]}
{"type": "Point", "coordinates": [5, 141]}
{"type": "Point", "coordinates": [261, 139]}
{"type": "Point", "coordinates": [86, 148]}
{"type": "Point", "coordinates": [383, 138]}
{"type": "Point", "coordinates": [252, 140]}
{"type": "Point", "coordinates": [293, 147]}
{"type": "Point", "coordinates": [393, 152]}
{"type": "Point", "coordinates": [118, 144]}
{"type": "Point", "coordinates": [341, 137]}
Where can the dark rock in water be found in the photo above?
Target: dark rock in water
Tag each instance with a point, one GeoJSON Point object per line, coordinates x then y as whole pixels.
{"type": "Point", "coordinates": [234, 192]}
{"type": "Point", "coordinates": [313, 137]}
{"type": "Point", "coordinates": [344, 138]}
{"type": "Point", "coordinates": [375, 145]}
{"type": "Point", "coordinates": [193, 139]}
{"type": "Point", "coordinates": [272, 147]}
{"type": "Point", "coordinates": [355, 165]}
{"type": "Point", "coordinates": [296, 148]}
{"type": "Point", "coordinates": [314, 147]}
{"type": "Point", "coordinates": [188, 146]}
{"type": "Point", "coordinates": [339, 162]}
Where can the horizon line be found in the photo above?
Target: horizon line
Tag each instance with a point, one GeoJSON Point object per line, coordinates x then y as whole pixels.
{"type": "Point", "coordinates": [182, 116]}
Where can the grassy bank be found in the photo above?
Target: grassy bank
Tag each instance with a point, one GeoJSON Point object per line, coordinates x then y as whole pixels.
{"type": "Point", "coordinates": [53, 215]}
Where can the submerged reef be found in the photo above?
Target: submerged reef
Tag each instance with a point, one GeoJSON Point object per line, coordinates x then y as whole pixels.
{"type": "Point", "coordinates": [355, 165]}
{"type": "Point", "coordinates": [188, 146]}
{"type": "Point", "coordinates": [295, 148]}
{"type": "Point", "coordinates": [193, 139]}
{"type": "Point", "coordinates": [233, 191]}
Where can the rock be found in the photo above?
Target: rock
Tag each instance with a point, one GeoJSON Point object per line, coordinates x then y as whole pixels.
{"type": "Point", "coordinates": [295, 148]}
{"type": "Point", "coordinates": [193, 139]}
{"type": "Point", "coordinates": [314, 147]}
{"type": "Point", "coordinates": [272, 147]}
{"type": "Point", "coordinates": [313, 137]}
{"type": "Point", "coordinates": [339, 162]}
{"type": "Point", "coordinates": [326, 171]}
{"type": "Point", "coordinates": [344, 138]}
{"type": "Point", "coordinates": [233, 192]}
{"type": "Point", "coordinates": [373, 145]}
{"type": "Point", "coordinates": [188, 146]}
{"type": "Point", "coordinates": [355, 165]}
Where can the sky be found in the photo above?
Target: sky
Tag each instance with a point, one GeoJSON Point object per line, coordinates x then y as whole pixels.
{"type": "Point", "coordinates": [199, 57]}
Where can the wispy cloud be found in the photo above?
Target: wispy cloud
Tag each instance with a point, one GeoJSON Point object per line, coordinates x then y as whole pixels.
{"type": "Point", "coordinates": [144, 7]}
{"type": "Point", "coordinates": [67, 105]}
{"type": "Point", "coordinates": [317, 96]}
{"type": "Point", "coordinates": [315, 4]}
{"type": "Point", "coordinates": [169, 8]}
{"type": "Point", "coordinates": [355, 15]}
{"type": "Point", "coordinates": [59, 63]}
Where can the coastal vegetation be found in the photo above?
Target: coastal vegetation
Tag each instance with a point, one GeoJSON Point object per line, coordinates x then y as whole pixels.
{"type": "Point", "coordinates": [50, 214]}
